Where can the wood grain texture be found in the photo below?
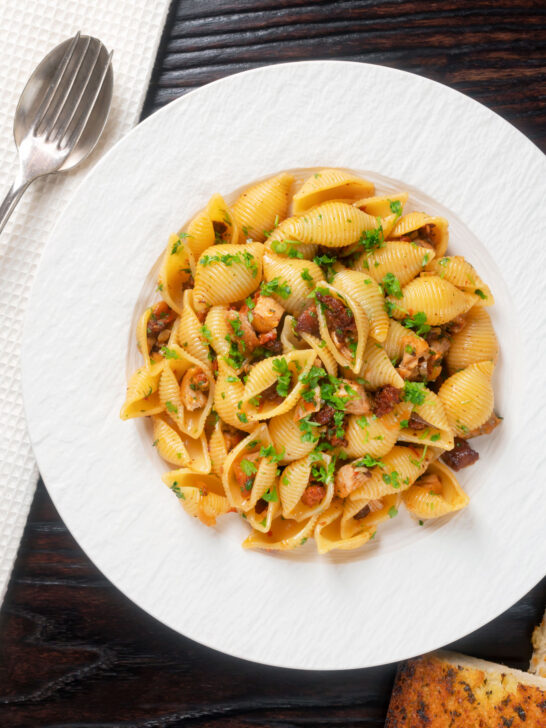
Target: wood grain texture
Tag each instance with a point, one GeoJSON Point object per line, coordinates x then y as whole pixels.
{"type": "Point", "coordinates": [76, 652]}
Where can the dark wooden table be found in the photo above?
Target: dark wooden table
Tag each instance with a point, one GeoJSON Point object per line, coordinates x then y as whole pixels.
{"type": "Point", "coordinates": [76, 652]}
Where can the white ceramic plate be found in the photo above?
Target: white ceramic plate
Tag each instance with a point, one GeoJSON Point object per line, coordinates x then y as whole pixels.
{"type": "Point", "coordinates": [414, 589]}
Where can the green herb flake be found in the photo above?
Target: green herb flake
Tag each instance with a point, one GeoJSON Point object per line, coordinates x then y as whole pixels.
{"type": "Point", "coordinates": [391, 285]}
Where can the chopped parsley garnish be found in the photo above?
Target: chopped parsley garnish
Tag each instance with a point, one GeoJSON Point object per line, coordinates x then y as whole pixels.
{"type": "Point", "coordinates": [271, 495]}
{"type": "Point", "coordinates": [372, 239]}
{"type": "Point", "coordinates": [480, 293]}
{"type": "Point", "coordinates": [237, 327]}
{"type": "Point", "coordinates": [326, 262]}
{"type": "Point", "coordinates": [396, 207]}
{"type": "Point", "coordinates": [176, 489]}
{"type": "Point", "coordinates": [169, 353]}
{"type": "Point", "coordinates": [393, 511]}
{"type": "Point", "coordinates": [284, 380]}
{"type": "Point", "coordinates": [404, 424]}
{"type": "Point", "coordinates": [206, 332]}
{"type": "Point", "coordinates": [242, 417]}
{"type": "Point", "coordinates": [246, 258]}
{"type": "Point", "coordinates": [233, 379]}
{"type": "Point", "coordinates": [362, 422]}
{"type": "Point", "coordinates": [308, 430]}
{"type": "Point", "coordinates": [391, 285]}
{"type": "Point", "coordinates": [435, 437]}
{"type": "Point", "coordinates": [414, 392]}
{"type": "Point", "coordinates": [307, 277]}
{"type": "Point", "coordinates": [275, 286]}
{"type": "Point", "coordinates": [390, 308]}
{"type": "Point", "coordinates": [271, 454]}
{"type": "Point", "coordinates": [417, 323]}
{"type": "Point", "coordinates": [392, 479]}
{"type": "Point", "coordinates": [368, 462]}
{"type": "Point", "coordinates": [248, 467]}
{"type": "Point", "coordinates": [171, 407]}
{"type": "Point", "coordinates": [178, 242]}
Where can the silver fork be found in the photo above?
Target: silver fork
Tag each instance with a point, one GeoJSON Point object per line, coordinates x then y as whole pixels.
{"type": "Point", "coordinates": [61, 113]}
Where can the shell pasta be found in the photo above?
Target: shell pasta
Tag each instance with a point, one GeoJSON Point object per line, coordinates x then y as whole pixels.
{"type": "Point", "coordinates": [318, 360]}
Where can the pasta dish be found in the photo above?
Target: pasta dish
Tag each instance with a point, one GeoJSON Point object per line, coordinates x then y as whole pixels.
{"type": "Point", "coordinates": [316, 361]}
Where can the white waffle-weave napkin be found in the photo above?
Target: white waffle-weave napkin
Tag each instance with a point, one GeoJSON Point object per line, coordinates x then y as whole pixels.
{"type": "Point", "coordinates": [28, 30]}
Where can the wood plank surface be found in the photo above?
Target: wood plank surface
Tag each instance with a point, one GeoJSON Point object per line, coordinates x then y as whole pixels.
{"type": "Point", "coordinates": [74, 652]}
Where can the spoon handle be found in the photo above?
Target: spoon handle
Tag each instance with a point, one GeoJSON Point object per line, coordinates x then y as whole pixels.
{"type": "Point", "coordinates": [11, 200]}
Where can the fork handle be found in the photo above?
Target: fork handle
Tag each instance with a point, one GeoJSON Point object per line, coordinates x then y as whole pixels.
{"type": "Point", "coordinates": [11, 200]}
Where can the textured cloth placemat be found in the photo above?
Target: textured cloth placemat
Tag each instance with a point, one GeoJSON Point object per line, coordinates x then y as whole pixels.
{"type": "Point", "coordinates": [28, 30]}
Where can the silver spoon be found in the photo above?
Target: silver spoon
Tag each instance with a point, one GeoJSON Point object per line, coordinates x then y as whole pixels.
{"type": "Point", "coordinates": [61, 113]}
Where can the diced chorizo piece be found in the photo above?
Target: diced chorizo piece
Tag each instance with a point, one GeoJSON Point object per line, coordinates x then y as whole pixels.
{"type": "Point", "coordinates": [232, 437]}
{"type": "Point", "coordinates": [356, 398]}
{"type": "Point", "coordinates": [270, 341]}
{"type": "Point", "coordinates": [242, 330]}
{"type": "Point", "coordinates": [431, 482]}
{"type": "Point", "coordinates": [194, 389]}
{"type": "Point", "coordinates": [362, 513]}
{"type": "Point", "coordinates": [416, 422]}
{"type": "Point", "coordinates": [385, 400]}
{"type": "Point", "coordinates": [261, 506]}
{"type": "Point", "coordinates": [313, 495]}
{"type": "Point", "coordinates": [349, 478]}
{"type": "Point", "coordinates": [456, 325]}
{"type": "Point", "coordinates": [487, 427]}
{"type": "Point", "coordinates": [266, 314]}
{"type": "Point", "coordinates": [270, 394]}
{"type": "Point", "coordinates": [161, 317]}
{"type": "Point", "coordinates": [325, 415]}
{"type": "Point", "coordinates": [243, 474]}
{"type": "Point", "coordinates": [461, 456]}
{"type": "Point", "coordinates": [339, 318]}
{"type": "Point", "coordinates": [307, 322]}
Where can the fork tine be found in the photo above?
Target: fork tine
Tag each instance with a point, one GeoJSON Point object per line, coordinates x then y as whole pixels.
{"type": "Point", "coordinates": [71, 106]}
{"type": "Point", "coordinates": [72, 139]}
{"type": "Point", "coordinates": [55, 108]}
{"type": "Point", "coordinates": [54, 85]}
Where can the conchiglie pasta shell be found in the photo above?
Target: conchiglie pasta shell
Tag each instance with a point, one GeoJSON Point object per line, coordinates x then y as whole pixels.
{"type": "Point", "coordinates": [424, 503]}
{"type": "Point", "coordinates": [439, 433]}
{"type": "Point", "coordinates": [323, 353]}
{"type": "Point", "coordinates": [142, 337]}
{"type": "Point", "coordinates": [263, 374]}
{"type": "Point", "coordinates": [217, 449]}
{"type": "Point", "coordinates": [408, 462]}
{"type": "Point", "coordinates": [289, 272]}
{"type": "Point", "coordinates": [399, 337]}
{"type": "Point", "coordinates": [190, 422]}
{"type": "Point", "coordinates": [227, 406]}
{"type": "Point", "coordinates": [435, 297]}
{"type": "Point", "coordinates": [329, 184]}
{"type": "Point", "coordinates": [349, 526]}
{"type": "Point", "coordinates": [377, 368]}
{"type": "Point", "coordinates": [414, 221]}
{"type": "Point", "coordinates": [176, 272]}
{"type": "Point", "coordinates": [263, 521]}
{"type": "Point", "coordinates": [344, 357]}
{"type": "Point", "coordinates": [265, 476]}
{"type": "Point", "coordinates": [404, 260]}
{"type": "Point", "coordinates": [259, 206]}
{"type": "Point", "coordinates": [200, 495]}
{"type": "Point", "coordinates": [219, 213]}
{"type": "Point", "coordinates": [294, 481]}
{"type": "Point", "coordinates": [468, 398]}
{"type": "Point", "coordinates": [476, 342]}
{"type": "Point", "coordinates": [217, 324]}
{"type": "Point", "coordinates": [189, 332]}
{"type": "Point", "coordinates": [381, 206]}
{"type": "Point", "coordinates": [286, 435]}
{"type": "Point", "coordinates": [200, 234]}
{"type": "Point", "coordinates": [284, 535]}
{"type": "Point", "coordinates": [332, 224]}
{"type": "Point", "coordinates": [216, 282]}
{"type": "Point", "coordinates": [461, 274]}
{"type": "Point", "coordinates": [282, 242]}
{"type": "Point", "coordinates": [374, 435]}
{"type": "Point", "coordinates": [178, 448]}
{"type": "Point", "coordinates": [328, 532]}
{"type": "Point", "coordinates": [367, 293]}
{"type": "Point", "coordinates": [142, 397]}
